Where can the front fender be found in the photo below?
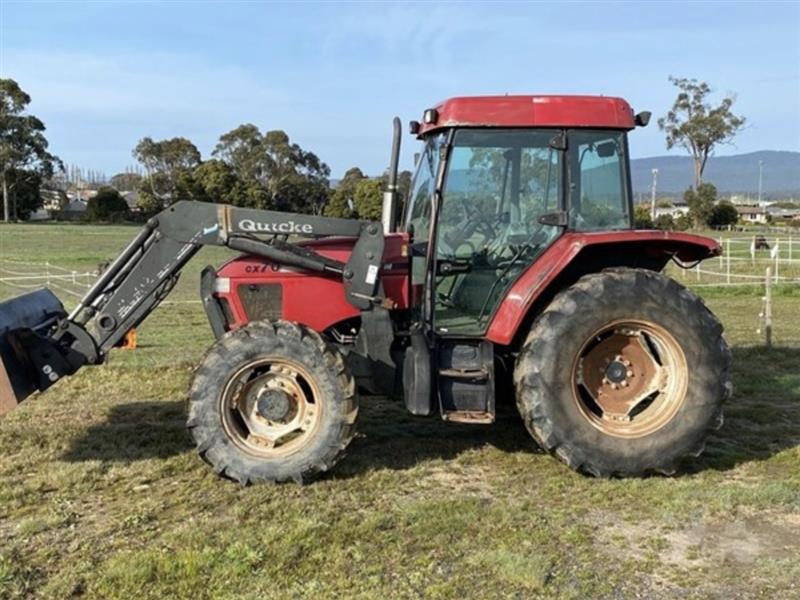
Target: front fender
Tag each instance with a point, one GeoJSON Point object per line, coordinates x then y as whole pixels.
{"type": "Point", "coordinates": [576, 253]}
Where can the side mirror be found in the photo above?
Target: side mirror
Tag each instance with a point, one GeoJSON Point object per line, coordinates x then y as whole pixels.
{"type": "Point", "coordinates": [643, 118]}
{"type": "Point", "coordinates": [606, 149]}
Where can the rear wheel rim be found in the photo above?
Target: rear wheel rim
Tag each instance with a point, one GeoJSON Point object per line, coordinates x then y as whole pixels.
{"type": "Point", "coordinates": [630, 378]}
{"type": "Point", "coordinates": [271, 407]}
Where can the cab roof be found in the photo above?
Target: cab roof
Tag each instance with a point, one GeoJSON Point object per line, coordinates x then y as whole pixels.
{"type": "Point", "coordinates": [529, 111]}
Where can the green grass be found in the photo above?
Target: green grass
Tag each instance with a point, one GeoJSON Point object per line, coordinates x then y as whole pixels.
{"type": "Point", "coordinates": [103, 496]}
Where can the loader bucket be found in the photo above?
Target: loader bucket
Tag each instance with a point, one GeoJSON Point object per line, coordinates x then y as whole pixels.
{"type": "Point", "coordinates": [36, 311]}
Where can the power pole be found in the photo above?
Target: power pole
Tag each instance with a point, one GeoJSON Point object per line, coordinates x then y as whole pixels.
{"type": "Point", "coordinates": [653, 195]}
{"type": "Point", "coordinates": [760, 173]}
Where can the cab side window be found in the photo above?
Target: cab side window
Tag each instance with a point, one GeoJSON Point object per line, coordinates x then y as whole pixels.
{"type": "Point", "coordinates": [598, 199]}
{"type": "Point", "coordinates": [420, 207]}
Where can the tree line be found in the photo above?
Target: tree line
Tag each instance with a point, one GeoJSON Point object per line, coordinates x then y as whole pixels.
{"type": "Point", "coordinates": [254, 169]}
{"type": "Point", "coordinates": [247, 168]}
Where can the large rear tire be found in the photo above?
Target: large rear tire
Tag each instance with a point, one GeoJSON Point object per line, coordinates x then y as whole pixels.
{"type": "Point", "coordinates": [624, 373]}
{"type": "Point", "coordinates": [272, 402]}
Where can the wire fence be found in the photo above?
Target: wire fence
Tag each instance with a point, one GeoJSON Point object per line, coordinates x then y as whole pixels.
{"type": "Point", "coordinates": [751, 261]}
{"type": "Point", "coordinates": [22, 276]}
{"type": "Point", "coordinates": [744, 261]}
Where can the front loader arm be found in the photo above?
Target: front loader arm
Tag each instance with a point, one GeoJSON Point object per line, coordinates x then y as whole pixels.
{"type": "Point", "coordinates": [147, 270]}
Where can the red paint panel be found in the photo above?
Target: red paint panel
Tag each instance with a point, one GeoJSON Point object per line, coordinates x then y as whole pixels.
{"type": "Point", "coordinates": [533, 111]}
{"type": "Point", "coordinates": [310, 298]}
{"type": "Point", "coordinates": [556, 258]}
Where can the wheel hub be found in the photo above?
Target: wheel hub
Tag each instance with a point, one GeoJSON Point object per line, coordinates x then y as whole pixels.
{"type": "Point", "coordinates": [630, 378]}
{"type": "Point", "coordinates": [270, 407]}
{"type": "Point", "coordinates": [274, 405]}
{"type": "Point", "coordinates": [616, 372]}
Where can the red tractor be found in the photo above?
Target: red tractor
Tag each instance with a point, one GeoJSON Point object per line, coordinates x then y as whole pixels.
{"type": "Point", "coordinates": [514, 268]}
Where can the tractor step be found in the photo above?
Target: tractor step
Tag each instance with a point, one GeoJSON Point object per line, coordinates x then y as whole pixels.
{"type": "Point", "coordinates": [475, 375]}
{"type": "Point", "coordinates": [469, 417]}
{"type": "Point", "coordinates": [466, 381]}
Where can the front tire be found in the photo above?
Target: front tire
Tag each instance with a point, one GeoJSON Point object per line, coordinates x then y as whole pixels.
{"type": "Point", "coordinates": [624, 373]}
{"type": "Point", "coordinates": [272, 402]}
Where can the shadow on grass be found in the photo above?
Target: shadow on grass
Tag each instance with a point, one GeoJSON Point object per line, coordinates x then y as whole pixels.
{"type": "Point", "coordinates": [763, 417]}
{"type": "Point", "coordinates": [134, 431]}
{"type": "Point", "coordinates": [389, 438]}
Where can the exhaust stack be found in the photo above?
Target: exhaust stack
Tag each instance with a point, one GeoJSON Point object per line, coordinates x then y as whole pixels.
{"type": "Point", "coordinates": [389, 212]}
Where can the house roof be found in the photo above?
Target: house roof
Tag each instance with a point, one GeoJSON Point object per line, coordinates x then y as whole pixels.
{"type": "Point", "coordinates": [76, 206]}
{"type": "Point", "coordinates": [751, 210]}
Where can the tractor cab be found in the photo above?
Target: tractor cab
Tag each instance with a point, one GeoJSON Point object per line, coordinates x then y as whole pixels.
{"type": "Point", "coordinates": [504, 196]}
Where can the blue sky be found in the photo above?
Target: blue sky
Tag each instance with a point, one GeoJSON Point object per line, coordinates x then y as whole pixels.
{"type": "Point", "coordinates": [104, 74]}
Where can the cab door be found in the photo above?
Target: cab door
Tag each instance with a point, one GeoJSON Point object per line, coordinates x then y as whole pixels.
{"type": "Point", "coordinates": [498, 185]}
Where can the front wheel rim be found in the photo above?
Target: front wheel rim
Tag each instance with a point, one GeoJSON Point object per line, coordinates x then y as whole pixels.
{"type": "Point", "coordinates": [629, 378]}
{"type": "Point", "coordinates": [271, 407]}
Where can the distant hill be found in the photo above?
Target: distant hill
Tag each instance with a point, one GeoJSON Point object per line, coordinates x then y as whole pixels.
{"type": "Point", "coordinates": [737, 173]}
{"type": "Point", "coordinates": [731, 174]}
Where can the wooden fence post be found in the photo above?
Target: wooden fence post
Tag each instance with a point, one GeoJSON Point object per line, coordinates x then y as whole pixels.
{"type": "Point", "coordinates": [728, 262]}
{"type": "Point", "coordinates": [768, 308]}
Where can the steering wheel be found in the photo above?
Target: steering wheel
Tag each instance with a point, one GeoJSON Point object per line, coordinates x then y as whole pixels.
{"type": "Point", "coordinates": [475, 220]}
{"type": "Point", "coordinates": [535, 239]}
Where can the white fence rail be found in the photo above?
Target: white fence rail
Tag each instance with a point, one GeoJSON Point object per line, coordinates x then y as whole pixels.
{"type": "Point", "coordinates": [744, 260]}
{"type": "Point", "coordinates": [25, 276]}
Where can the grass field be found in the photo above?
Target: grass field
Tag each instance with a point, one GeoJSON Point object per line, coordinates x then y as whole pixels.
{"type": "Point", "coordinates": [103, 496]}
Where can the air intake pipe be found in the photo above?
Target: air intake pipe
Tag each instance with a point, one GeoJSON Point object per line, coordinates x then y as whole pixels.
{"type": "Point", "coordinates": [390, 195]}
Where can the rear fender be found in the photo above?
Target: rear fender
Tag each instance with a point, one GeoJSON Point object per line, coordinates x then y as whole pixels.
{"type": "Point", "coordinates": [575, 254]}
